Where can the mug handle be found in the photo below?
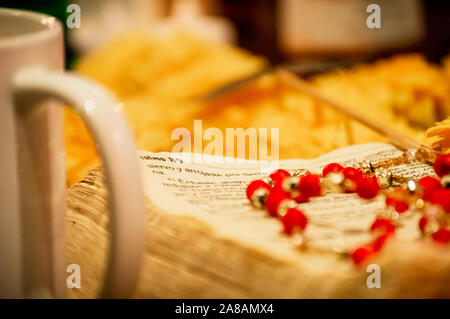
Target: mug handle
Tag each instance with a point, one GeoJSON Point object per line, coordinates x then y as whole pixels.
{"type": "Point", "coordinates": [101, 113]}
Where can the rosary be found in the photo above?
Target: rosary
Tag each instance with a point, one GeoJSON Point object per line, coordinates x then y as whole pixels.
{"type": "Point", "coordinates": [281, 192]}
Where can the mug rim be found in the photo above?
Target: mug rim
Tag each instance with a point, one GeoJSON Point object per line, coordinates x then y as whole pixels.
{"type": "Point", "coordinates": [52, 25]}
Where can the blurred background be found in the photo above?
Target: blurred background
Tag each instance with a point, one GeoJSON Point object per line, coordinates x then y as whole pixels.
{"type": "Point", "coordinates": [160, 56]}
{"type": "Point", "coordinates": [276, 29]}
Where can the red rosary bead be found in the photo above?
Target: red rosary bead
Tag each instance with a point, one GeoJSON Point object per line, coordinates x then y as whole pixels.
{"type": "Point", "coordinates": [273, 200]}
{"type": "Point", "coordinates": [367, 187]}
{"type": "Point", "coordinates": [429, 185]}
{"type": "Point", "coordinates": [442, 165]}
{"type": "Point", "coordinates": [384, 225]}
{"type": "Point", "coordinates": [309, 185]}
{"type": "Point", "coordinates": [399, 205]}
{"type": "Point", "coordinates": [278, 186]}
{"type": "Point", "coordinates": [442, 236]}
{"type": "Point", "coordinates": [254, 185]}
{"type": "Point", "coordinates": [332, 167]}
{"type": "Point", "coordinates": [442, 197]}
{"type": "Point", "coordinates": [294, 218]}
{"type": "Point", "coordinates": [301, 198]}
{"type": "Point", "coordinates": [279, 174]}
{"type": "Point", "coordinates": [380, 241]}
{"type": "Point", "coordinates": [423, 221]}
{"type": "Point", "coordinates": [352, 173]}
{"type": "Point", "coordinates": [361, 254]}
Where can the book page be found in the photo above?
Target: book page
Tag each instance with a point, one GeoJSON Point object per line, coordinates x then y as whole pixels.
{"type": "Point", "coordinates": [215, 194]}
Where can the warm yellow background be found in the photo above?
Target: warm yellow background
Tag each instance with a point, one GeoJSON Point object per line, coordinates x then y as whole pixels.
{"type": "Point", "coordinates": [158, 79]}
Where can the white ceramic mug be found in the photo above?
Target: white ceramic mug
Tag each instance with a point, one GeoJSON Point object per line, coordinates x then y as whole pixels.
{"type": "Point", "coordinates": [32, 173]}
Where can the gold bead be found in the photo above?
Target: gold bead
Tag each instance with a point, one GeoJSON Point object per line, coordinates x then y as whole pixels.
{"type": "Point", "coordinates": [419, 204]}
{"type": "Point", "coordinates": [290, 184]}
{"type": "Point", "coordinates": [298, 238]}
{"type": "Point", "coordinates": [268, 180]}
{"type": "Point", "coordinates": [384, 177]}
{"type": "Point", "coordinates": [445, 181]}
{"type": "Point", "coordinates": [412, 186]}
{"type": "Point", "coordinates": [366, 167]}
{"type": "Point", "coordinates": [389, 213]}
{"type": "Point", "coordinates": [285, 205]}
{"type": "Point", "coordinates": [349, 185]}
{"type": "Point", "coordinates": [333, 182]}
{"type": "Point", "coordinates": [259, 196]}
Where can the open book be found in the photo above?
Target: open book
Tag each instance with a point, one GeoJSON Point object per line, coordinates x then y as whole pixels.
{"type": "Point", "coordinates": [206, 240]}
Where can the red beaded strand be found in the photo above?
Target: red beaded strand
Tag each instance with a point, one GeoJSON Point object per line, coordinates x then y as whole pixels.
{"type": "Point", "coordinates": [283, 192]}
